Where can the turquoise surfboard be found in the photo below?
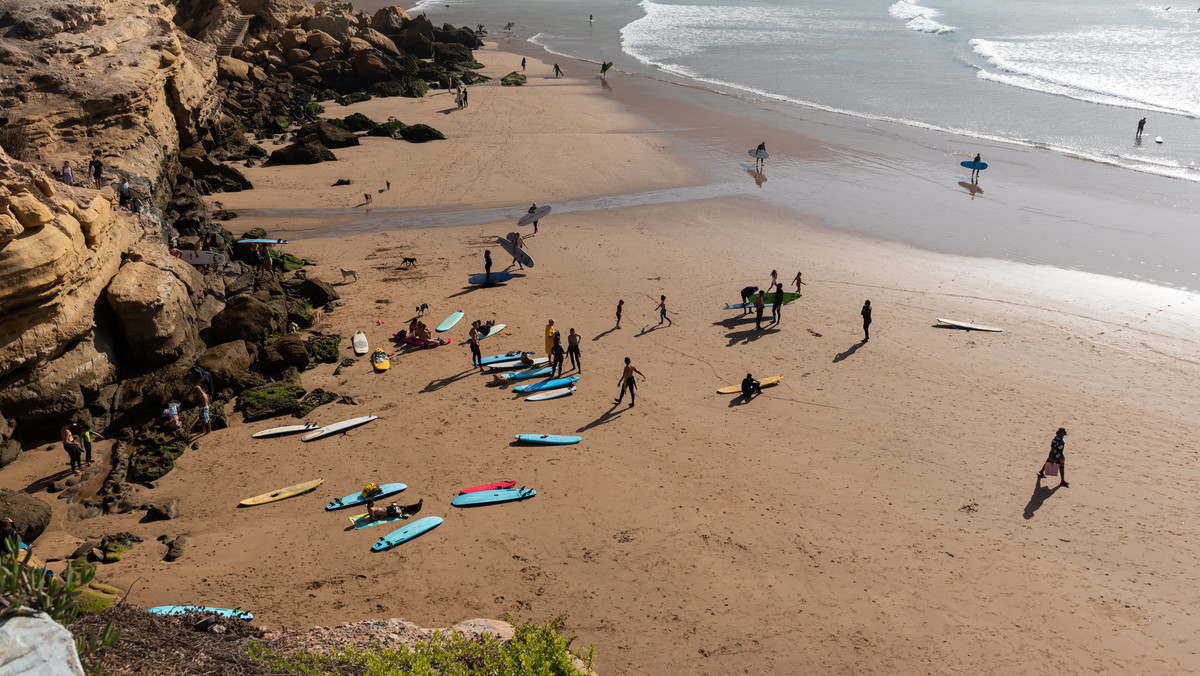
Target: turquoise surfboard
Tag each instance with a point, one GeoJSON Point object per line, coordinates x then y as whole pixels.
{"type": "Point", "coordinates": [553, 439]}
{"type": "Point", "coordinates": [507, 356]}
{"type": "Point", "coordinates": [355, 499]}
{"type": "Point", "coordinates": [236, 613]}
{"type": "Point", "coordinates": [402, 535]}
{"type": "Point", "coordinates": [547, 385]}
{"type": "Point", "coordinates": [493, 497]}
{"type": "Point", "coordinates": [970, 164]}
{"type": "Point", "coordinates": [450, 322]}
{"type": "Point", "coordinates": [527, 373]}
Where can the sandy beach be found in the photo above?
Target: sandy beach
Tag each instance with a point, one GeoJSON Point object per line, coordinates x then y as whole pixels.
{"type": "Point", "coordinates": [876, 512]}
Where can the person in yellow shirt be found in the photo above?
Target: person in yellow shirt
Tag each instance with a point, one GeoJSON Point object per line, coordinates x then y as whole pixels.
{"type": "Point", "coordinates": [550, 331]}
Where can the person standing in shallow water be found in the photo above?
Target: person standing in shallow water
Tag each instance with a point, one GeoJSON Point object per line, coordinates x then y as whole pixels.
{"type": "Point", "coordinates": [866, 315]}
{"type": "Point", "coordinates": [759, 162]}
{"type": "Point", "coordinates": [1056, 458]}
{"type": "Point", "coordinates": [1142, 123]}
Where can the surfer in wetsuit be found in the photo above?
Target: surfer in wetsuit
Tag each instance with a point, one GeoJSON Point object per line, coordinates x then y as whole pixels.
{"type": "Point", "coordinates": [759, 162]}
{"type": "Point", "coordinates": [533, 207]}
{"type": "Point", "coordinates": [517, 243]}
{"type": "Point", "coordinates": [747, 293]}
{"type": "Point", "coordinates": [777, 304]}
{"type": "Point", "coordinates": [487, 266]}
{"type": "Point", "coordinates": [1142, 122]}
{"type": "Point", "coordinates": [750, 386]}
{"type": "Point", "coordinates": [866, 315]}
{"type": "Point", "coordinates": [473, 336]}
{"type": "Point", "coordinates": [628, 382]}
{"type": "Point", "coordinates": [557, 71]}
{"type": "Point", "coordinates": [975, 169]}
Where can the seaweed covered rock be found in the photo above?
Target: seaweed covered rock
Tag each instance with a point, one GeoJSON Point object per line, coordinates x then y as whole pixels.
{"type": "Point", "coordinates": [324, 347]}
{"type": "Point", "coordinates": [304, 151]}
{"type": "Point", "coordinates": [283, 352]}
{"type": "Point", "coordinates": [113, 547]}
{"type": "Point", "coordinates": [154, 457]}
{"type": "Point", "coordinates": [389, 128]}
{"type": "Point", "coordinates": [420, 133]}
{"type": "Point", "coordinates": [270, 401]}
{"type": "Point", "coordinates": [513, 79]}
{"type": "Point", "coordinates": [358, 122]}
{"type": "Point", "coordinates": [328, 135]}
{"type": "Point", "coordinates": [317, 291]}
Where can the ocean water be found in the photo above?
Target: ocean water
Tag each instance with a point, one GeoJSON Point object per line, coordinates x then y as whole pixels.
{"type": "Point", "coordinates": [1071, 76]}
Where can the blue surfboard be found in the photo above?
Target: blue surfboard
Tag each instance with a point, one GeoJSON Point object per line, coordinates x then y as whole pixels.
{"type": "Point", "coordinates": [235, 613]}
{"type": "Point", "coordinates": [493, 497]}
{"type": "Point", "coordinates": [507, 356]}
{"type": "Point", "coordinates": [970, 164]}
{"type": "Point", "coordinates": [497, 278]}
{"type": "Point", "coordinates": [527, 373]}
{"type": "Point", "coordinates": [262, 241]}
{"type": "Point", "coordinates": [547, 385]}
{"type": "Point", "coordinates": [355, 499]}
{"type": "Point", "coordinates": [402, 535]}
{"type": "Point", "coordinates": [552, 439]}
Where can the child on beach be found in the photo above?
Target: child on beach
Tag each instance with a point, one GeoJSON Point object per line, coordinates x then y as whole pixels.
{"type": "Point", "coordinates": [662, 311]}
{"type": "Point", "coordinates": [620, 304]}
{"type": "Point", "coordinates": [798, 282]}
{"type": "Point", "coordinates": [68, 176]}
{"type": "Point", "coordinates": [550, 333]}
{"type": "Point", "coordinates": [557, 353]}
{"type": "Point", "coordinates": [87, 435]}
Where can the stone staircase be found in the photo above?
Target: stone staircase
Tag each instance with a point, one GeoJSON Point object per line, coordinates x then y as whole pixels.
{"type": "Point", "coordinates": [234, 37]}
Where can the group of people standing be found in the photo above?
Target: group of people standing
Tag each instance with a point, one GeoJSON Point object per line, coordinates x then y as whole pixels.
{"type": "Point", "coordinates": [127, 199]}
{"type": "Point", "coordinates": [557, 353]}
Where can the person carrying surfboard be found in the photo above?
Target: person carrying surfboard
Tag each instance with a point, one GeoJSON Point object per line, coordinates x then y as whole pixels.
{"type": "Point", "coordinates": [975, 169]}
{"type": "Point", "coordinates": [759, 162]}
{"type": "Point", "coordinates": [533, 207]}
{"type": "Point", "coordinates": [517, 243]}
{"type": "Point", "coordinates": [628, 382]}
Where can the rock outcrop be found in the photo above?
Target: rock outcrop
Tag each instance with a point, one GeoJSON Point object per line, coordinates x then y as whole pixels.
{"type": "Point", "coordinates": [30, 516]}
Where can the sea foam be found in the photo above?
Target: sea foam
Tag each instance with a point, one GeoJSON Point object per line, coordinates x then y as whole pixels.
{"type": "Point", "coordinates": [919, 18]}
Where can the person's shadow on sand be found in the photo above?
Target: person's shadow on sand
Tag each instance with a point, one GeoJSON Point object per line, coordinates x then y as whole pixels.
{"type": "Point", "coordinates": [748, 335]}
{"type": "Point", "coordinates": [599, 336]}
{"type": "Point", "coordinates": [610, 414]}
{"type": "Point", "coordinates": [1040, 495]}
{"type": "Point", "coordinates": [742, 400]}
{"type": "Point", "coordinates": [44, 482]}
{"type": "Point", "coordinates": [847, 353]}
{"type": "Point", "coordinates": [649, 329]}
{"type": "Point", "coordinates": [435, 385]}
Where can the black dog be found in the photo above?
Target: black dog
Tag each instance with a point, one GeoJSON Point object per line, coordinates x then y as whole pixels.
{"type": "Point", "coordinates": [422, 308]}
{"type": "Point", "coordinates": [407, 262]}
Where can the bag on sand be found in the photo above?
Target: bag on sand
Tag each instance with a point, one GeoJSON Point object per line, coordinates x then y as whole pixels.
{"type": "Point", "coordinates": [1050, 469]}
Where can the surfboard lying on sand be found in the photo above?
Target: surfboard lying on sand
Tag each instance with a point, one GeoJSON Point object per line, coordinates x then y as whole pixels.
{"type": "Point", "coordinates": [507, 356]}
{"type": "Point", "coordinates": [402, 535]}
{"type": "Point", "coordinates": [380, 360]}
{"type": "Point", "coordinates": [481, 278]}
{"type": "Point", "coordinates": [449, 322]}
{"type": "Point", "coordinates": [968, 327]}
{"type": "Point", "coordinates": [286, 429]}
{"type": "Point", "coordinates": [536, 215]}
{"type": "Point", "coordinates": [551, 394]}
{"type": "Point", "coordinates": [547, 385]}
{"type": "Point", "coordinates": [338, 427]}
{"type": "Point", "coordinates": [764, 382]}
{"type": "Point", "coordinates": [497, 328]}
{"type": "Point", "coordinates": [551, 439]}
{"type": "Point", "coordinates": [759, 154]}
{"type": "Point", "coordinates": [527, 373]}
{"type": "Point", "coordinates": [768, 299]}
{"type": "Point", "coordinates": [236, 613]}
{"type": "Point", "coordinates": [262, 241]}
{"type": "Point", "coordinates": [517, 363]}
{"type": "Point", "coordinates": [355, 499]}
{"type": "Point", "coordinates": [282, 493]}
{"type": "Point", "coordinates": [360, 343]}
{"type": "Point", "coordinates": [494, 486]}
{"type": "Point", "coordinates": [481, 498]}
{"type": "Point", "coordinates": [970, 164]}
{"type": "Point", "coordinates": [202, 257]}
{"type": "Point", "coordinates": [516, 252]}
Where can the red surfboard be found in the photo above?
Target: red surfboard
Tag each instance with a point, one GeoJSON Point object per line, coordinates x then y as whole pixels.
{"type": "Point", "coordinates": [503, 483]}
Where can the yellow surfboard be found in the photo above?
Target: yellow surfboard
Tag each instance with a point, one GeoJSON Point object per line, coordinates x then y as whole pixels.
{"type": "Point", "coordinates": [380, 360]}
{"type": "Point", "coordinates": [737, 389]}
{"type": "Point", "coordinates": [282, 493]}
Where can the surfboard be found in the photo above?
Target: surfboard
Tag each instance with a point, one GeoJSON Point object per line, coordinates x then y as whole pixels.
{"type": "Point", "coordinates": [355, 499]}
{"type": "Point", "coordinates": [380, 360]}
{"type": "Point", "coordinates": [551, 394]}
{"type": "Point", "coordinates": [436, 342]}
{"type": "Point", "coordinates": [360, 343]}
{"type": "Point", "coordinates": [235, 613]}
{"type": "Point", "coordinates": [494, 486]}
{"type": "Point", "coordinates": [286, 429]}
{"type": "Point", "coordinates": [1158, 139]}
{"type": "Point", "coordinates": [262, 241]}
{"type": "Point", "coordinates": [537, 215]}
{"type": "Point", "coordinates": [282, 493]}
{"type": "Point", "coordinates": [338, 427]}
{"type": "Point", "coordinates": [970, 164]}
{"type": "Point", "coordinates": [516, 363]}
{"type": "Point", "coordinates": [497, 328]}
{"type": "Point", "coordinates": [202, 257]}
{"type": "Point", "coordinates": [516, 252]}
{"type": "Point", "coordinates": [362, 520]}
{"type": "Point", "coordinates": [527, 373]}
{"type": "Point", "coordinates": [481, 498]}
{"type": "Point", "coordinates": [552, 439]}
{"type": "Point", "coordinates": [402, 535]}
{"type": "Point", "coordinates": [547, 385]}
{"type": "Point", "coordinates": [737, 389]}
{"type": "Point", "coordinates": [605, 66]}
{"type": "Point", "coordinates": [759, 154]}
{"type": "Point", "coordinates": [497, 278]}
{"type": "Point", "coordinates": [507, 356]}
{"type": "Point", "coordinates": [768, 299]}
{"type": "Point", "coordinates": [968, 327]}
{"type": "Point", "coordinates": [450, 322]}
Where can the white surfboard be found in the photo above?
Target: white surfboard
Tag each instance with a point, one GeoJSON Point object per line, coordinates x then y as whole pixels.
{"type": "Point", "coordinates": [968, 327]}
{"type": "Point", "coordinates": [536, 215]}
{"type": "Point", "coordinates": [499, 366]}
{"type": "Point", "coordinates": [1158, 139]}
{"type": "Point", "coordinates": [496, 328]}
{"type": "Point", "coordinates": [551, 394]}
{"type": "Point", "coordinates": [516, 252]}
{"type": "Point", "coordinates": [338, 427]}
{"type": "Point", "coordinates": [759, 154]}
{"type": "Point", "coordinates": [202, 257]}
{"type": "Point", "coordinates": [286, 429]}
{"type": "Point", "coordinates": [360, 343]}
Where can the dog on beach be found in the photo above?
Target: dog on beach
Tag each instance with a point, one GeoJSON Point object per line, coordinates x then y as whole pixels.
{"type": "Point", "coordinates": [408, 261]}
{"type": "Point", "coordinates": [422, 308]}
{"type": "Point", "coordinates": [347, 274]}
{"type": "Point", "coordinates": [367, 197]}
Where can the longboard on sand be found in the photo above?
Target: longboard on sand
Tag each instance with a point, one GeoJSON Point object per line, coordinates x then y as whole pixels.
{"type": "Point", "coordinates": [759, 154]}
{"type": "Point", "coordinates": [970, 164]}
{"type": "Point", "coordinates": [235, 613]}
{"type": "Point", "coordinates": [968, 327]}
{"type": "Point", "coordinates": [516, 252]}
{"type": "Point", "coordinates": [450, 322]}
{"type": "Point", "coordinates": [768, 299]}
{"type": "Point", "coordinates": [536, 215]}
{"type": "Point", "coordinates": [338, 427]}
{"type": "Point", "coordinates": [551, 439]}
{"type": "Point", "coordinates": [355, 499]}
{"type": "Point", "coordinates": [282, 493]}
{"type": "Point", "coordinates": [496, 328]}
{"type": "Point", "coordinates": [522, 375]}
{"type": "Point", "coordinates": [380, 360]}
{"type": "Point", "coordinates": [764, 382]}
{"type": "Point", "coordinates": [517, 363]}
{"type": "Point", "coordinates": [551, 394]}
{"type": "Point", "coordinates": [202, 257]}
{"type": "Point", "coordinates": [262, 241]}
{"type": "Point", "coordinates": [360, 343]}
{"type": "Point", "coordinates": [494, 486]}
{"type": "Point", "coordinates": [497, 278]}
{"type": "Point", "coordinates": [547, 385]}
{"type": "Point", "coordinates": [493, 497]}
{"type": "Point", "coordinates": [402, 535]}
{"type": "Point", "coordinates": [507, 356]}
{"type": "Point", "coordinates": [286, 429]}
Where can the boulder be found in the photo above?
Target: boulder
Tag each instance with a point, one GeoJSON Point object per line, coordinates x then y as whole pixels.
{"type": "Point", "coordinates": [325, 54]}
{"type": "Point", "coordinates": [231, 69]}
{"type": "Point", "coordinates": [460, 36]}
{"type": "Point", "coordinates": [449, 54]}
{"type": "Point", "coordinates": [244, 318]}
{"type": "Point", "coordinates": [327, 134]}
{"type": "Point", "coordinates": [389, 20]}
{"type": "Point", "coordinates": [378, 41]}
{"type": "Point", "coordinates": [355, 45]}
{"type": "Point", "coordinates": [175, 548]}
{"type": "Point", "coordinates": [164, 511]}
{"type": "Point", "coordinates": [339, 25]}
{"type": "Point", "coordinates": [229, 364]}
{"type": "Point", "coordinates": [420, 133]}
{"type": "Point", "coordinates": [36, 645]}
{"type": "Point", "coordinates": [318, 291]}
{"type": "Point", "coordinates": [155, 309]}
{"type": "Point", "coordinates": [318, 39]}
{"type": "Point", "coordinates": [29, 211]}
{"type": "Point", "coordinates": [30, 516]}
{"type": "Point", "coordinates": [416, 44]}
{"type": "Point", "coordinates": [297, 56]}
{"type": "Point", "coordinates": [286, 351]}
{"type": "Point", "coordinates": [304, 151]}
{"type": "Point", "coordinates": [375, 66]}
{"type": "Point", "coordinates": [293, 38]}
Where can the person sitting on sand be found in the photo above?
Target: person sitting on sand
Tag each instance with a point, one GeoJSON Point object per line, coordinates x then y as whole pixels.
{"type": "Point", "coordinates": [392, 511]}
{"type": "Point", "coordinates": [750, 386]}
{"type": "Point", "coordinates": [412, 326]}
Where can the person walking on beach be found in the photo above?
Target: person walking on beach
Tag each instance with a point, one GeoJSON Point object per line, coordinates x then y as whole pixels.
{"type": "Point", "coordinates": [774, 281]}
{"type": "Point", "coordinates": [487, 266]}
{"type": "Point", "coordinates": [556, 355]}
{"type": "Point", "coordinates": [573, 350]}
{"type": "Point", "coordinates": [975, 169]}
{"type": "Point", "coordinates": [628, 382]}
{"type": "Point", "coordinates": [71, 444]}
{"type": "Point", "coordinates": [533, 208]}
{"type": "Point", "coordinates": [1056, 458]}
{"type": "Point", "coordinates": [522, 64]}
{"type": "Point", "coordinates": [205, 414]}
{"type": "Point", "coordinates": [550, 331]}
{"type": "Point", "coordinates": [517, 243]}
{"type": "Point", "coordinates": [1142, 125]}
{"type": "Point", "coordinates": [96, 169]}
{"type": "Point", "coordinates": [866, 315]}
{"type": "Point", "coordinates": [759, 162]}
{"type": "Point", "coordinates": [777, 304]}
{"type": "Point", "coordinates": [68, 176]}
{"type": "Point", "coordinates": [620, 305]}
{"type": "Point", "coordinates": [473, 338]}
{"type": "Point", "coordinates": [798, 282]}
{"type": "Point", "coordinates": [557, 71]}
{"type": "Point", "coordinates": [758, 310]}
{"type": "Point", "coordinates": [662, 311]}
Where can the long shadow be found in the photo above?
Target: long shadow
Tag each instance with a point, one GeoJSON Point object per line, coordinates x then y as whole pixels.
{"type": "Point", "coordinates": [758, 176]}
{"type": "Point", "coordinates": [748, 335]}
{"type": "Point", "coordinates": [611, 414]}
{"type": "Point", "coordinates": [447, 111]}
{"type": "Point", "coordinates": [741, 400]}
{"type": "Point", "coordinates": [598, 337]}
{"type": "Point", "coordinates": [651, 329]}
{"type": "Point", "coordinates": [44, 483]}
{"type": "Point", "coordinates": [847, 353]}
{"type": "Point", "coordinates": [733, 322]}
{"type": "Point", "coordinates": [435, 385]}
{"type": "Point", "coordinates": [474, 287]}
{"type": "Point", "coordinates": [1040, 494]}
